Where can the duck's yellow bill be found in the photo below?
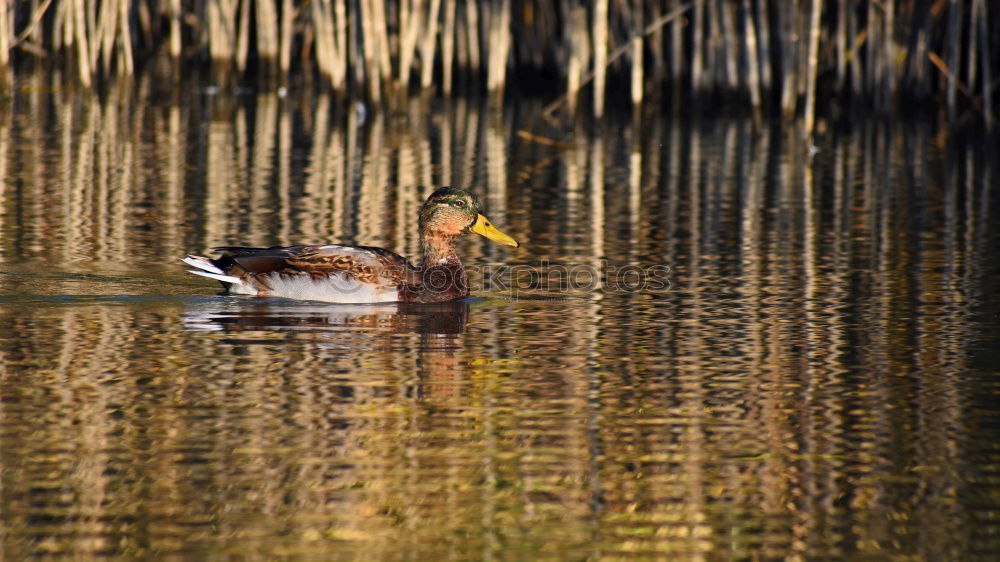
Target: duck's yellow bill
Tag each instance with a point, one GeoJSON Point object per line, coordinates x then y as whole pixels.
{"type": "Point", "coordinates": [484, 227]}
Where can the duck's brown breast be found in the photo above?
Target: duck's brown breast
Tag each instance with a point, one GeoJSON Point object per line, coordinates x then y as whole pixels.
{"type": "Point", "coordinates": [438, 283]}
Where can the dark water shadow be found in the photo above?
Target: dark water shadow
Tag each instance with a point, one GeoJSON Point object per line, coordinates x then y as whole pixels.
{"type": "Point", "coordinates": [234, 314]}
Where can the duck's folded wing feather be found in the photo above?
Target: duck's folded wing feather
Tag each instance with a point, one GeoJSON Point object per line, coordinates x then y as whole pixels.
{"type": "Point", "coordinates": [364, 263]}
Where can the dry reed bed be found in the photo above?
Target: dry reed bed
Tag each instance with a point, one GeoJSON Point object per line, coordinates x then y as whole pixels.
{"type": "Point", "coordinates": [778, 56]}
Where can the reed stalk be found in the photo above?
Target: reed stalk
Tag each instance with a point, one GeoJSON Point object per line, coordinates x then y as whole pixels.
{"type": "Point", "coordinates": [637, 53]}
{"type": "Point", "coordinates": [60, 26]}
{"type": "Point", "coordinates": [286, 38]}
{"type": "Point", "coordinates": [697, 47]}
{"type": "Point", "coordinates": [355, 48]}
{"type": "Point", "coordinates": [986, 58]}
{"type": "Point", "coordinates": [752, 59]}
{"type": "Point", "coordinates": [954, 52]}
{"type": "Point", "coordinates": [854, 64]}
{"type": "Point", "coordinates": [729, 47]}
{"type": "Point", "coordinates": [789, 68]}
{"type": "Point", "coordinates": [32, 32]}
{"type": "Point", "coordinates": [840, 43]}
{"type": "Point", "coordinates": [340, 42]}
{"type": "Point", "coordinates": [4, 37]}
{"type": "Point", "coordinates": [676, 49]}
{"type": "Point", "coordinates": [472, 25]}
{"type": "Point", "coordinates": [714, 60]}
{"type": "Point", "coordinates": [813, 66]}
{"type": "Point", "coordinates": [462, 44]}
{"type": "Point", "coordinates": [500, 38]}
{"type": "Point", "coordinates": [81, 40]}
{"type": "Point", "coordinates": [919, 75]}
{"type": "Point", "coordinates": [104, 35]}
{"type": "Point", "coordinates": [871, 41]}
{"type": "Point", "coordinates": [326, 56]}
{"type": "Point", "coordinates": [143, 18]}
{"type": "Point", "coordinates": [331, 41]}
{"type": "Point", "coordinates": [369, 44]}
{"type": "Point", "coordinates": [409, 28]}
{"type": "Point", "coordinates": [30, 37]}
{"type": "Point", "coordinates": [579, 55]}
{"type": "Point", "coordinates": [427, 46]}
{"type": "Point", "coordinates": [221, 35]}
{"type": "Point", "coordinates": [243, 37]}
{"type": "Point", "coordinates": [600, 55]}
{"type": "Point", "coordinates": [448, 46]}
{"type": "Point", "coordinates": [764, 28]}
{"type": "Point", "coordinates": [800, 38]}
{"type": "Point", "coordinates": [126, 65]}
{"type": "Point", "coordinates": [175, 29]}
{"type": "Point", "coordinates": [267, 32]}
{"type": "Point", "coordinates": [382, 51]}
{"type": "Point", "coordinates": [971, 64]}
{"type": "Point", "coordinates": [92, 31]}
{"type": "Point", "coordinates": [888, 54]}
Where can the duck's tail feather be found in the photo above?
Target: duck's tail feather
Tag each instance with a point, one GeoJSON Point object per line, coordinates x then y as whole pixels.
{"type": "Point", "coordinates": [203, 264]}
{"type": "Point", "coordinates": [206, 268]}
{"type": "Point", "coordinates": [216, 276]}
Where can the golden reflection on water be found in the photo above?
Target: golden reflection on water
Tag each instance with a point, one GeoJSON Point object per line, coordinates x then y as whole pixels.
{"type": "Point", "coordinates": [817, 382]}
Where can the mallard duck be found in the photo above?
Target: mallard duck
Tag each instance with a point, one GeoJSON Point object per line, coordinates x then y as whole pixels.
{"type": "Point", "coordinates": [361, 274]}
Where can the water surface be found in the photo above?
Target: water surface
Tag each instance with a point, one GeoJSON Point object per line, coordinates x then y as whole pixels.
{"type": "Point", "coordinates": [810, 370]}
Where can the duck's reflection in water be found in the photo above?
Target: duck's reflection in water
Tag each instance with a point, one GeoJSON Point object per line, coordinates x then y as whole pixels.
{"type": "Point", "coordinates": [229, 314]}
{"type": "Point", "coordinates": [358, 348]}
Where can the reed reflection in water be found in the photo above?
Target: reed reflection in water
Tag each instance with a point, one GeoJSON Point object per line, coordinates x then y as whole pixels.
{"type": "Point", "coordinates": [820, 379]}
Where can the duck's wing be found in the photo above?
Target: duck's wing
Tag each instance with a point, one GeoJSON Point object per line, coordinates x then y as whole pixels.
{"type": "Point", "coordinates": [365, 264]}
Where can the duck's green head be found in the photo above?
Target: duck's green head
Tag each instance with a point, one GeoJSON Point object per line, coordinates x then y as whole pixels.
{"type": "Point", "coordinates": [451, 211]}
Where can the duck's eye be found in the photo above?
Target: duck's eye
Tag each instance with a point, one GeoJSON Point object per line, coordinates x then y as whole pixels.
{"type": "Point", "coordinates": [459, 203]}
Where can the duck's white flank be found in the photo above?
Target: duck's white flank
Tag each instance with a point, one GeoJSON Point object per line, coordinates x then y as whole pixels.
{"type": "Point", "coordinates": [335, 288]}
